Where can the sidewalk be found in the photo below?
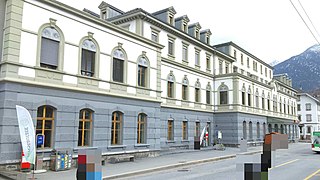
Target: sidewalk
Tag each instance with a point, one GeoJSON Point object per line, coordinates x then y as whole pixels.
{"type": "Point", "coordinates": [166, 160]}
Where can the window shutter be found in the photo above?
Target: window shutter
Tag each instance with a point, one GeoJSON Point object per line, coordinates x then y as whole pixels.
{"type": "Point", "coordinates": [49, 52]}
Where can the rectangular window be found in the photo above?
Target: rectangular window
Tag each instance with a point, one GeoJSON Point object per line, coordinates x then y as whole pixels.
{"type": "Point", "coordinates": [220, 67]}
{"type": "Point", "coordinates": [197, 94]}
{"type": "Point", "coordinates": [257, 101]}
{"type": "Point", "coordinates": [266, 72]}
{"type": "Point", "coordinates": [197, 129]}
{"type": "Point", "coordinates": [249, 99]}
{"type": "Point", "coordinates": [241, 59]}
{"type": "Point", "coordinates": [170, 89]}
{"type": "Point", "coordinates": [299, 107]}
{"type": "Point", "coordinates": [142, 76]}
{"type": "Point", "coordinates": [224, 97]}
{"type": "Point", "coordinates": [171, 47]}
{"type": "Point", "coordinates": [261, 69]}
{"type": "Point", "coordinates": [235, 54]}
{"type": "Point", "coordinates": [248, 63]}
{"type": "Point", "coordinates": [197, 58]}
{"type": "Point", "coordinates": [309, 129]}
{"type": "Point", "coordinates": [268, 104]}
{"type": "Point", "coordinates": [185, 53]}
{"type": "Point", "coordinates": [299, 117]}
{"type": "Point", "coordinates": [262, 101]}
{"type": "Point", "coordinates": [208, 63]}
{"type": "Point", "coordinates": [87, 63]}
{"type": "Point", "coordinates": [208, 97]}
{"type": "Point", "coordinates": [117, 70]}
{"type": "Point", "coordinates": [308, 107]}
{"type": "Point", "coordinates": [170, 130]}
{"type": "Point", "coordinates": [308, 118]}
{"type": "Point", "coordinates": [243, 98]}
{"type": "Point", "coordinates": [184, 92]}
{"type": "Point", "coordinates": [227, 68]}
{"type": "Point", "coordinates": [154, 36]}
{"type": "Point", "coordinates": [49, 53]}
{"type": "Point", "coordinates": [184, 130]}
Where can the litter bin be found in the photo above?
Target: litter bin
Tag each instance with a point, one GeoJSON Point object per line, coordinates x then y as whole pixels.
{"type": "Point", "coordinates": [196, 143]}
{"type": "Point", "coordinates": [61, 159]}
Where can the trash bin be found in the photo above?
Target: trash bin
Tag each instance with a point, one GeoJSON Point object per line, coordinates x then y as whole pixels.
{"type": "Point", "coordinates": [196, 143]}
{"type": "Point", "coordinates": [61, 159]}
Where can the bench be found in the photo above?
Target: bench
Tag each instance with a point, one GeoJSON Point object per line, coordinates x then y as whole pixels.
{"type": "Point", "coordinates": [121, 158]}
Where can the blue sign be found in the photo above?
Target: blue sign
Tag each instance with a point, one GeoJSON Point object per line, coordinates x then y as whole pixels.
{"type": "Point", "coordinates": [40, 139]}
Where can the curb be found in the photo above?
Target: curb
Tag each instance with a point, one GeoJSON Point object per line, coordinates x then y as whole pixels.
{"type": "Point", "coordinates": [166, 167]}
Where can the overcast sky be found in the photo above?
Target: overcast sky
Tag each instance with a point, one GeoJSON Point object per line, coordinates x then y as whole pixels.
{"type": "Point", "coordinates": [270, 29]}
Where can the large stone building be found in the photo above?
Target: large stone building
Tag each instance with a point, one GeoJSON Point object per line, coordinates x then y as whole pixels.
{"type": "Point", "coordinates": [130, 82]}
{"type": "Point", "coordinates": [309, 115]}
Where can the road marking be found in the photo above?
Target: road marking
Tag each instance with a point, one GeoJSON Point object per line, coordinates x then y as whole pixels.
{"type": "Point", "coordinates": [311, 175]}
{"type": "Point", "coordinates": [284, 164]}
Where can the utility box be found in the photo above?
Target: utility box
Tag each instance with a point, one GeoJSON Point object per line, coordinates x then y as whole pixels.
{"type": "Point", "coordinates": [61, 159]}
{"type": "Point", "coordinates": [39, 162]}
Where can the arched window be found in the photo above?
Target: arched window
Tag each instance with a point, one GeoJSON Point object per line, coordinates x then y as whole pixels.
{"type": "Point", "coordinates": [85, 127]}
{"type": "Point", "coordinates": [250, 131]}
{"type": "Point", "coordinates": [50, 45]}
{"type": "Point", "coordinates": [142, 129]}
{"type": "Point", "coordinates": [170, 136]}
{"type": "Point", "coordinates": [185, 83]}
{"type": "Point", "coordinates": [264, 129]}
{"type": "Point", "coordinates": [208, 93]}
{"type": "Point", "coordinates": [116, 128]}
{"type": "Point", "coordinates": [281, 129]}
{"type": "Point", "coordinates": [88, 54]}
{"type": "Point", "coordinates": [244, 129]}
{"type": "Point", "coordinates": [118, 66]}
{"type": "Point", "coordinates": [197, 91]}
{"type": "Point", "coordinates": [170, 85]}
{"type": "Point", "coordinates": [45, 124]}
{"type": "Point", "coordinates": [269, 128]}
{"type": "Point", "coordinates": [258, 130]}
{"type": "Point", "coordinates": [223, 94]}
{"type": "Point", "coordinates": [276, 128]}
{"type": "Point", "coordinates": [143, 71]}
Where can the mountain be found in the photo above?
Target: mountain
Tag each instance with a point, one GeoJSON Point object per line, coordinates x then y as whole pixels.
{"type": "Point", "coordinates": [303, 69]}
{"type": "Point", "coordinates": [275, 62]}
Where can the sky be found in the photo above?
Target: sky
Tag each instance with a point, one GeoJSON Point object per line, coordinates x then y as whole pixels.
{"type": "Point", "coordinates": [269, 29]}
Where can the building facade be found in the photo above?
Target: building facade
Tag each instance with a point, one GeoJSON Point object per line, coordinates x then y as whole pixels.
{"type": "Point", "coordinates": [308, 115]}
{"type": "Point", "coordinates": [130, 82]}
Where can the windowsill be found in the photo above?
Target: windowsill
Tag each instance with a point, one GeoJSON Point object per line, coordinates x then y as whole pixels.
{"type": "Point", "coordinates": [171, 56]}
{"type": "Point", "coordinates": [197, 66]}
{"type": "Point", "coordinates": [185, 141]}
{"type": "Point", "coordinates": [119, 83]}
{"type": "Point", "coordinates": [84, 147]}
{"type": "Point", "coordinates": [185, 62]}
{"type": "Point", "coordinates": [88, 77]}
{"type": "Point", "coordinates": [170, 141]}
{"type": "Point", "coordinates": [117, 146]}
{"type": "Point", "coordinates": [141, 145]}
{"type": "Point", "coordinates": [44, 150]}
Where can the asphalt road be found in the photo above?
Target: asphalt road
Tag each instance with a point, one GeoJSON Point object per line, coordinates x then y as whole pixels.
{"type": "Point", "coordinates": [297, 162]}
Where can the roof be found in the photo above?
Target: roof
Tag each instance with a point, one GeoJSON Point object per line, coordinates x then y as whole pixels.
{"type": "Point", "coordinates": [230, 43]}
{"type": "Point", "coordinates": [91, 13]}
{"type": "Point", "coordinates": [306, 94]}
{"type": "Point", "coordinates": [182, 17]}
{"type": "Point", "coordinates": [165, 10]}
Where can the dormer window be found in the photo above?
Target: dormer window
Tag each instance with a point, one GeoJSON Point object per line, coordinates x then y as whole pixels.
{"type": "Point", "coordinates": [170, 20]}
{"type": "Point", "coordinates": [197, 34]}
{"type": "Point", "coordinates": [208, 39]}
{"type": "Point", "coordinates": [184, 27]}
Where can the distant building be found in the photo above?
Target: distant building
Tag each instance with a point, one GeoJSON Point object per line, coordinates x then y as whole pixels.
{"type": "Point", "coordinates": [308, 114]}
{"type": "Point", "coordinates": [130, 82]}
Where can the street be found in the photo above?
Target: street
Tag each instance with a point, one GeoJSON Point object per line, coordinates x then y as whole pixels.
{"type": "Point", "coordinates": [297, 162]}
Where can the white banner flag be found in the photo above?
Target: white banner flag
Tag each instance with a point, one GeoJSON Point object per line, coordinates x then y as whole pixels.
{"type": "Point", "coordinates": [27, 134]}
{"type": "Point", "coordinates": [202, 134]}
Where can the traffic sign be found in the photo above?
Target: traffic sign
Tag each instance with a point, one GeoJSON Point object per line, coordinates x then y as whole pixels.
{"type": "Point", "coordinates": [40, 139]}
